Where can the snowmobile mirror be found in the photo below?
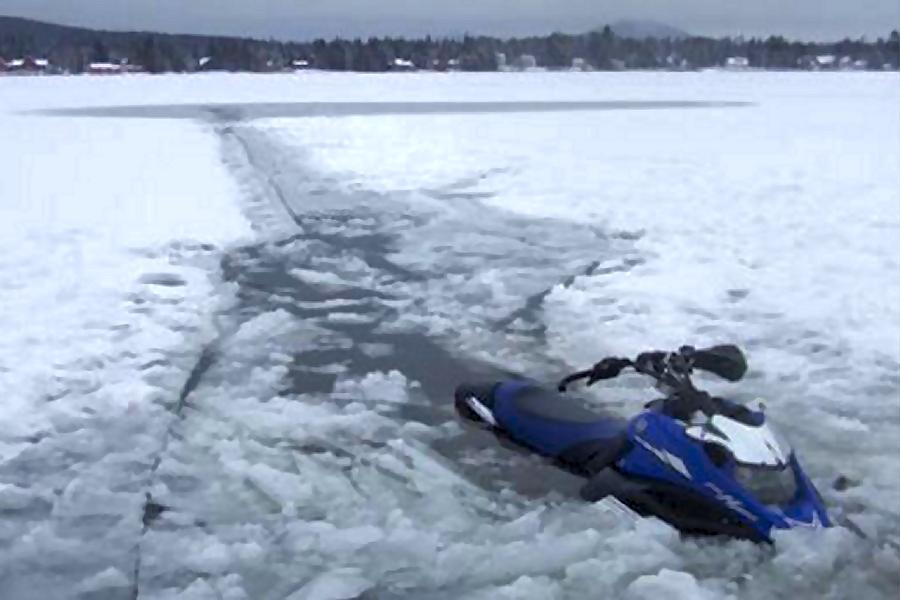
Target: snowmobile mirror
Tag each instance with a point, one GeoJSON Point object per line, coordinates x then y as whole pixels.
{"type": "Point", "coordinates": [727, 361]}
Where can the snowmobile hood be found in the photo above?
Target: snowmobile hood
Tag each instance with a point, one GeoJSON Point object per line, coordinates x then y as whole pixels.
{"type": "Point", "coordinates": [766, 490]}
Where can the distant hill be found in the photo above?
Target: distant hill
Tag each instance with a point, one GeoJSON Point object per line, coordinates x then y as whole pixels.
{"type": "Point", "coordinates": [73, 48]}
{"type": "Point", "coordinates": [38, 34]}
{"type": "Point", "coordinates": [26, 27]}
{"type": "Point", "coordinates": [640, 29]}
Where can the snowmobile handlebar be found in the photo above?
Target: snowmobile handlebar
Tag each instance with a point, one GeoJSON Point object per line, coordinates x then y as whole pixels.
{"type": "Point", "coordinates": [671, 369]}
{"type": "Point", "coordinates": [672, 372]}
{"type": "Point", "coordinates": [652, 364]}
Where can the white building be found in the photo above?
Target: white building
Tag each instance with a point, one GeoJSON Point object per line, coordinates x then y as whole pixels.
{"type": "Point", "coordinates": [826, 61]}
{"type": "Point", "coordinates": [580, 64]}
{"type": "Point", "coordinates": [104, 68]}
{"type": "Point", "coordinates": [737, 63]}
{"type": "Point", "coordinates": [402, 64]}
{"type": "Point", "coordinates": [526, 62]}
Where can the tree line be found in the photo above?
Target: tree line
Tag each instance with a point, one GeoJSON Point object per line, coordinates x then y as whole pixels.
{"type": "Point", "coordinates": [71, 49]}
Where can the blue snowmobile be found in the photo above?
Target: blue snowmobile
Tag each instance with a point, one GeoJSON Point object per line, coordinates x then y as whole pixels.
{"type": "Point", "coordinates": [704, 464]}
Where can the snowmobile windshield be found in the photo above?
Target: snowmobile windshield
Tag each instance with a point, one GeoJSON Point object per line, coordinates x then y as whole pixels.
{"type": "Point", "coordinates": [774, 486]}
{"type": "Point", "coordinates": [757, 444]}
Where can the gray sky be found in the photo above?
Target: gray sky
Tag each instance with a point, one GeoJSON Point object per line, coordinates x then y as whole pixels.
{"type": "Point", "coordinates": [303, 19]}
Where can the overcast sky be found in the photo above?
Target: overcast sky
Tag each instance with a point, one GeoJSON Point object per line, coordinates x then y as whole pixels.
{"type": "Point", "coordinates": [303, 19]}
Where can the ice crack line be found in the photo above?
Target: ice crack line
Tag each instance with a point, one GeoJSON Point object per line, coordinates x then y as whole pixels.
{"type": "Point", "coordinates": [151, 509]}
{"type": "Point", "coordinates": [230, 132]}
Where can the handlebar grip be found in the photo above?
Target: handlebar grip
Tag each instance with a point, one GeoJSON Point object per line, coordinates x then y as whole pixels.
{"type": "Point", "coordinates": [564, 383]}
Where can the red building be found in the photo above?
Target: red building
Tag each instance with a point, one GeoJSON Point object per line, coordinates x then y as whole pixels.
{"type": "Point", "coordinates": [29, 64]}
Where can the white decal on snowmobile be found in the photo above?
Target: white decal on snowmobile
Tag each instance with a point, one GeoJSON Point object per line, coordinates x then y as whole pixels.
{"type": "Point", "coordinates": [666, 457]}
{"type": "Point", "coordinates": [730, 501]}
{"type": "Point", "coordinates": [816, 523]}
{"type": "Point", "coordinates": [482, 411]}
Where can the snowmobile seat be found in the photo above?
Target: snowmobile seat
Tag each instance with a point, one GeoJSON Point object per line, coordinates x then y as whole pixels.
{"type": "Point", "coordinates": [558, 425]}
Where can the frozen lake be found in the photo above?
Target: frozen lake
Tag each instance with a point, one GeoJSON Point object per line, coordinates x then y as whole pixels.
{"type": "Point", "coordinates": [236, 307]}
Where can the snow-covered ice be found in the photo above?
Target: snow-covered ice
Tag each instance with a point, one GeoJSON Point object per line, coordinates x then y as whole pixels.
{"type": "Point", "coordinates": [230, 341]}
{"type": "Point", "coordinates": [110, 235]}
